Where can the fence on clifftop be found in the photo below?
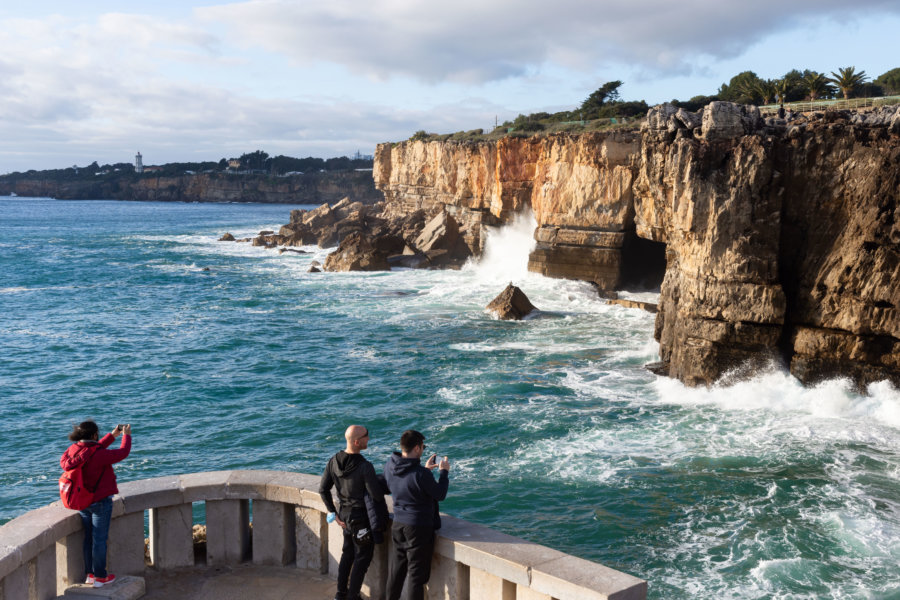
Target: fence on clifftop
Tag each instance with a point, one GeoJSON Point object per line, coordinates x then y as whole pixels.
{"type": "Point", "coordinates": [850, 104]}
{"type": "Point", "coordinates": [277, 518]}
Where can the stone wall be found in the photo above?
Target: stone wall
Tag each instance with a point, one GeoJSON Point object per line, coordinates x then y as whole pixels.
{"type": "Point", "coordinates": [41, 551]}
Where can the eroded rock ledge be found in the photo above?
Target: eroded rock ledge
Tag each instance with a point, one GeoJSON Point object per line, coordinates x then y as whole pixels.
{"type": "Point", "coordinates": [777, 239]}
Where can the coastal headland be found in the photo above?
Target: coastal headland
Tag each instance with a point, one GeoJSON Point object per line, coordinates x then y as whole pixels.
{"type": "Point", "coordinates": [305, 188]}
{"type": "Point", "coordinates": [769, 239]}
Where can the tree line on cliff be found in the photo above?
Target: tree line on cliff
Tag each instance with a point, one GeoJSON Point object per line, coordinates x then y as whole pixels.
{"type": "Point", "coordinates": [257, 162]}
{"type": "Point", "coordinates": [746, 87]}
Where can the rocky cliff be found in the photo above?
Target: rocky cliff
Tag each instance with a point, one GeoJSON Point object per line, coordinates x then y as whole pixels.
{"type": "Point", "coordinates": [310, 188]}
{"type": "Point", "coordinates": [768, 238]}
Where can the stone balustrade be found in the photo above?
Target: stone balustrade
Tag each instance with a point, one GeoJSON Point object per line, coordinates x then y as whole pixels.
{"type": "Point", "coordinates": [277, 518]}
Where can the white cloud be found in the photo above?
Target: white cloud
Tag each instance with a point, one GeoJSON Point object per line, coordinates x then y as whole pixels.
{"type": "Point", "coordinates": [476, 41]}
{"type": "Point", "coordinates": [284, 76]}
{"type": "Point", "coordinates": [76, 90]}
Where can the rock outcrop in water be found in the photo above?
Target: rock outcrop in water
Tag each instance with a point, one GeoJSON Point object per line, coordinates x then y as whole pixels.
{"type": "Point", "coordinates": [767, 238]}
{"type": "Point", "coordinates": [511, 305]}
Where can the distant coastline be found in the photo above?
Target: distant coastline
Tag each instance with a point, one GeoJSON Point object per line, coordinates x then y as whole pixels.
{"type": "Point", "coordinates": [302, 188]}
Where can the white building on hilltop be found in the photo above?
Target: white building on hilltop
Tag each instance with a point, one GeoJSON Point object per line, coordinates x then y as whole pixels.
{"type": "Point", "coordinates": [138, 164]}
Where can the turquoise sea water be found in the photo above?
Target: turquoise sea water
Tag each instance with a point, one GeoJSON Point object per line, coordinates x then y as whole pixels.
{"type": "Point", "coordinates": [555, 431]}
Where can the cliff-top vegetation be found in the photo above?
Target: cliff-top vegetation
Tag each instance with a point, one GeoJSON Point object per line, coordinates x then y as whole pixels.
{"type": "Point", "coordinates": [604, 109]}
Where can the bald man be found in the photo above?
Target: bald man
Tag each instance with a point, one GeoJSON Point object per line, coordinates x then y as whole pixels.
{"type": "Point", "coordinates": [353, 477]}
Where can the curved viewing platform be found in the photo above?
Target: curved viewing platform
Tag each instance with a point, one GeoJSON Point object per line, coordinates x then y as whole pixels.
{"type": "Point", "coordinates": [273, 522]}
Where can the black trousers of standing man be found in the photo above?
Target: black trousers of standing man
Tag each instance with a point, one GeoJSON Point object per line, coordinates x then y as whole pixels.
{"type": "Point", "coordinates": [410, 561]}
{"type": "Point", "coordinates": [355, 559]}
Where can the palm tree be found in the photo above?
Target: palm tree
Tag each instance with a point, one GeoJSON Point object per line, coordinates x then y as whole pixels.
{"type": "Point", "coordinates": [816, 85]}
{"type": "Point", "coordinates": [765, 89]}
{"type": "Point", "coordinates": [783, 87]}
{"type": "Point", "coordinates": [757, 91]}
{"type": "Point", "coordinates": [847, 80]}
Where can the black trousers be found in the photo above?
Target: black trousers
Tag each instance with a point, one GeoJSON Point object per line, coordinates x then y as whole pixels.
{"type": "Point", "coordinates": [410, 561]}
{"type": "Point", "coordinates": [355, 560]}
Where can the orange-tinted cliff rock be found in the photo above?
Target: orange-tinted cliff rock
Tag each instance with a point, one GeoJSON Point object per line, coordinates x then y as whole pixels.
{"type": "Point", "coordinates": [778, 239]}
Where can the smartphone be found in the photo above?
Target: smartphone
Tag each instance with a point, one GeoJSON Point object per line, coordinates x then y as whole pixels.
{"type": "Point", "coordinates": [433, 459]}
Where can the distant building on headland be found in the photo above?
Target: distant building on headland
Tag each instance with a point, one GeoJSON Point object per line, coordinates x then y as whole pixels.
{"type": "Point", "coordinates": [138, 164]}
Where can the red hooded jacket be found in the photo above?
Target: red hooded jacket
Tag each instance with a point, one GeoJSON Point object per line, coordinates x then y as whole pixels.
{"type": "Point", "coordinates": [97, 464]}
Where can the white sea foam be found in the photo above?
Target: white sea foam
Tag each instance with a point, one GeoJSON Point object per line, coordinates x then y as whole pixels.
{"type": "Point", "coordinates": [776, 391]}
{"type": "Point", "coordinates": [363, 354]}
{"type": "Point", "coordinates": [37, 333]}
{"type": "Point", "coordinates": [20, 289]}
{"type": "Point", "coordinates": [458, 396]}
{"type": "Point", "coordinates": [506, 251]}
{"type": "Point", "coordinates": [651, 297]}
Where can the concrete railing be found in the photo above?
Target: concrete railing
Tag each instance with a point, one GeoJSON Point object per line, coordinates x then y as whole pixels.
{"type": "Point", "coordinates": [278, 518]}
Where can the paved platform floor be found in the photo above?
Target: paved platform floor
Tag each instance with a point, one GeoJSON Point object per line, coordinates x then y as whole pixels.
{"type": "Point", "coordinates": [239, 582]}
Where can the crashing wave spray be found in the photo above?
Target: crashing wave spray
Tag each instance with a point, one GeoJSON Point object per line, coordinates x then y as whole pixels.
{"type": "Point", "coordinates": [506, 250]}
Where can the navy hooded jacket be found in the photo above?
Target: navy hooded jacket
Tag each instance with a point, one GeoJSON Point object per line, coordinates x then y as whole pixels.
{"type": "Point", "coordinates": [415, 492]}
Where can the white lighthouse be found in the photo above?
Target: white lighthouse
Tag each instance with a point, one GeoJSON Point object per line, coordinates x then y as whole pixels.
{"type": "Point", "coordinates": [138, 164]}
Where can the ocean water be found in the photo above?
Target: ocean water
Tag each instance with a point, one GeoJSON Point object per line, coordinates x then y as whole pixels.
{"type": "Point", "coordinates": [225, 356]}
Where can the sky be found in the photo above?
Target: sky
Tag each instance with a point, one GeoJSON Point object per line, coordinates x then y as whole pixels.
{"type": "Point", "coordinates": [195, 80]}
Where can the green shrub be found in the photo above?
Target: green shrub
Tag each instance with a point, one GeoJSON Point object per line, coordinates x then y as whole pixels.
{"type": "Point", "coordinates": [889, 81]}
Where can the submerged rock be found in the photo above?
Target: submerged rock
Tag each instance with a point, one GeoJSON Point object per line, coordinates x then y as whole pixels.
{"type": "Point", "coordinates": [511, 304]}
{"type": "Point", "coordinates": [227, 237]}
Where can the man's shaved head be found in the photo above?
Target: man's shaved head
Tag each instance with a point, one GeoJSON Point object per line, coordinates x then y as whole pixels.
{"type": "Point", "coordinates": [357, 438]}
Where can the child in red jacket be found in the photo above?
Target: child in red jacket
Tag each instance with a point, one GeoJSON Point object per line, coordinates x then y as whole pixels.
{"type": "Point", "coordinates": [94, 458]}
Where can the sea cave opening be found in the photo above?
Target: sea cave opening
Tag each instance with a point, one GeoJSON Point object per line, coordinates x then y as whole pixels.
{"type": "Point", "coordinates": [643, 263]}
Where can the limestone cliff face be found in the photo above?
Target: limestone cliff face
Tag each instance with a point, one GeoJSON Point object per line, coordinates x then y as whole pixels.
{"type": "Point", "coordinates": [840, 249]}
{"type": "Point", "coordinates": [779, 239]}
{"type": "Point", "coordinates": [716, 205]}
{"type": "Point", "coordinates": [579, 188]}
{"type": "Point", "coordinates": [782, 241]}
{"type": "Point", "coordinates": [310, 188]}
{"type": "Point", "coordinates": [478, 183]}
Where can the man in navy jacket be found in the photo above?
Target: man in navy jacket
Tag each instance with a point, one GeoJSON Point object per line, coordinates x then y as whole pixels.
{"type": "Point", "coordinates": [416, 518]}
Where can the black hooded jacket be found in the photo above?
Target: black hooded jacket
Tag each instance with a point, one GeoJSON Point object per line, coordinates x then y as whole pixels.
{"type": "Point", "coordinates": [352, 476]}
